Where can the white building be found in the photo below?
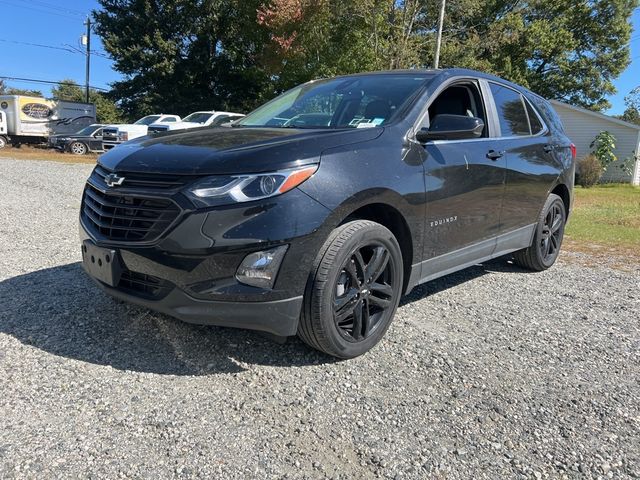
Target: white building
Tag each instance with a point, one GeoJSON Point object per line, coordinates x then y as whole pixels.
{"type": "Point", "coordinates": [583, 125]}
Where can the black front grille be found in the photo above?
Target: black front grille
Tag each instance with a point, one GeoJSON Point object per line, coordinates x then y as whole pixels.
{"type": "Point", "coordinates": [155, 181]}
{"type": "Point", "coordinates": [129, 218]}
{"type": "Point", "coordinates": [143, 285]}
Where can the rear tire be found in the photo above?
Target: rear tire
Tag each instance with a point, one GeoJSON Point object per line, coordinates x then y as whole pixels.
{"type": "Point", "coordinates": [547, 240]}
{"type": "Point", "coordinates": [78, 148]}
{"type": "Point", "coordinates": [353, 290]}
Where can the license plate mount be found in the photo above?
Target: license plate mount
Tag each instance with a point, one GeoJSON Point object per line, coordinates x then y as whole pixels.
{"type": "Point", "coordinates": [101, 263]}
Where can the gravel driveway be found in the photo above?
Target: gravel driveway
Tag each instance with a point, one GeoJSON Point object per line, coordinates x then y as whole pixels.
{"type": "Point", "coordinates": [489, 373]}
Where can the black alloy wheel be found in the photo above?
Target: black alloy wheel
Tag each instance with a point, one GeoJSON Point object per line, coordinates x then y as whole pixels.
{"type": "Point", "coordinates": [551, 237]}
{"type": "Point", "coordinates": [364, 291]}
{"type": "Point", "coordinates": [353, 290]}
{"type": "Point", "coordinates": [547, 239]}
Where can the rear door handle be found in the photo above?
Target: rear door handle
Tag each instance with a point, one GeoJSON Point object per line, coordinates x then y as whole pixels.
{"type": "Point", "coordinates": [494, 155]}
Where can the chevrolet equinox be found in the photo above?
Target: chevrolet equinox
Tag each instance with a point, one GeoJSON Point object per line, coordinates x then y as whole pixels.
{"type": "Point", "coordinates": [316, 212]}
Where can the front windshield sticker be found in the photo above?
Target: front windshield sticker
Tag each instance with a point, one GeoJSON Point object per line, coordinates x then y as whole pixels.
{"type": "Point", "coordinates": [377, 121]}
{"type": "Point", "coordinates": [367, 125]}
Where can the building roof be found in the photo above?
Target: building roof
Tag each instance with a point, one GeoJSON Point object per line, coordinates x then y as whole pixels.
{"type": "Point", "coordinates": [602, 116]}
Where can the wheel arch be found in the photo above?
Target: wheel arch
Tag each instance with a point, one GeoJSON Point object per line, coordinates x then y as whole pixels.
{"type": "Point", "coordinates": [391, 218]}
{"type": "Point", "coordinates": [563, 192]}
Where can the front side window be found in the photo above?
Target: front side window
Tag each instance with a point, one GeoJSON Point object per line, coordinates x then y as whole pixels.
{"type": "Point", "coordinates": [511, 111]}
{"type": "Point", "coordinates": [459, 99]}
{"type": "Point", "coordinates": [86, 131]}
{"type": "Point", "coordinates": [348, 102]}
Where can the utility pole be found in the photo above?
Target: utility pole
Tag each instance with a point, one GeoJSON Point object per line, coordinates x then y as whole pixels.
{"type": "Point", "coordinates": [436, 60]}
{"type": "Point", "coordinates": [87, 42]}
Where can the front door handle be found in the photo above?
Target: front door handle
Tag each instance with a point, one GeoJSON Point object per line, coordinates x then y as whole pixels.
{"type": "Point", "coordinates": [494, 155]}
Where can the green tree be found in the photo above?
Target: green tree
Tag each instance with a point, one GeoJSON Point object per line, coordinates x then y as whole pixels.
{"type": "Point", "coordinates": [561, 49]}
{"type": "Point", "coordinates": [178, 56]}
{"type": "Point", "coordinates": [632, 103]}
{"type": "Point", "coordinates": [23, 91]}
{"type": "Point", "coordinates": [3, 86]}
{"type": "Point", "coordinates": [106, 111]}
{"type": "Point", "coordinates": [181, 55]}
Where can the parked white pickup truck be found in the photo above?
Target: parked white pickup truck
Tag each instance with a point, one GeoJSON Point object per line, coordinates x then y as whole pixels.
{"type": "Point", "coordinates": [196, 119]}
{"type": "Point", "coordinates": [113, 135]}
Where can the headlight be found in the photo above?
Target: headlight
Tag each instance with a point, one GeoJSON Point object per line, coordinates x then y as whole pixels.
{"type": "Point", "coordinates": [229, 189]}
{"type": "Point", "coordinates": [123, 136]}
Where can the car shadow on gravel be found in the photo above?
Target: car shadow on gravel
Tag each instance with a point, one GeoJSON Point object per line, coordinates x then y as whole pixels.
{"type": "Point", "coordinates": [59, 310]}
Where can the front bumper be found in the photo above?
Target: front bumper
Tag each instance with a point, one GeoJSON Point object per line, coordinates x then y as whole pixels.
{"type": "Point", "coordinates": [192, 266]}
{"type": "Point", "coordinates": [278, 317]}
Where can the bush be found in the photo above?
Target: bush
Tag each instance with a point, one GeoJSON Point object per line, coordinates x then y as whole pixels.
{"type": "Point", "coordinates": [588, 171]}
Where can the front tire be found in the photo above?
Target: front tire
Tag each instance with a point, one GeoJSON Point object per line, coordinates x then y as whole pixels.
{"type": "Point", "coordinates": [3, 142]}
{"type": "Point", "coordinates": [353, 291]}
{"type": "Point", "coordinates": [78, 148]}
{"type": "Point", "coordinates": [547, 240]}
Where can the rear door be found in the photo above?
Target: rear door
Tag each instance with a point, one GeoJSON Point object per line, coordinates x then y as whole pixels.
{"type": "Point", "coordinates": [531, 167]}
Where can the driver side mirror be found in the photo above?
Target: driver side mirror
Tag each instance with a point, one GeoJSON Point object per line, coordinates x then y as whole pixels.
{"type": "Point", "coordinates": [451, 127]}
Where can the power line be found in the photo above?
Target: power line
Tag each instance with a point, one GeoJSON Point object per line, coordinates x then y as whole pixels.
{"type": "Point", "coordinates": [46, 12]}
{"type": "Point", "coordinates": [44, 4]}
{"type": "Point", "coordinates": [37, 45]}
{"type": "Point", "coordinates": [66, 48]}
{"type": "Point", "coordinates": [47, 82]}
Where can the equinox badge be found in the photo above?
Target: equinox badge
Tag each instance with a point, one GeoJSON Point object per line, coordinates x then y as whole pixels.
{"type": "Point", "coordinates": [113, 180]}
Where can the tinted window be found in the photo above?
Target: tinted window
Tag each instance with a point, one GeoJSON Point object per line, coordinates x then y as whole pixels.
{"type": "Point", "coordinates": [548, 114]}
{"type": "Point", "coordinates": [511, 113]}
{"type": "Point", "coordinates": [534, 121]}
{"type": "Point", "coordinates": [170, 119]}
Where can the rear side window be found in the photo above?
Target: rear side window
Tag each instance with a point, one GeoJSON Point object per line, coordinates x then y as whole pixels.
{"type": "Point", "coordinates": [511, 111]}
{"type": "Point", "coordinates": [549, 115]}
{"type": "Point", "coordinates": [169, 119]}
{"type": "Point", "coordinates": [534, 121]}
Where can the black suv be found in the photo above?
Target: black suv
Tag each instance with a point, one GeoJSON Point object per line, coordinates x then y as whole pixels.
{"type": "Point", "coordinates": [314, 214]}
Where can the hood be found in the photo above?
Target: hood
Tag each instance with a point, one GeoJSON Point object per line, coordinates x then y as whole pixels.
{"type": "Point", "coordinates": [224, 150]}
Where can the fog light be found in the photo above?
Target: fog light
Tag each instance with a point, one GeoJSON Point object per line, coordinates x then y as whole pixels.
{"type": "Point", "coordinates": [259, 269]}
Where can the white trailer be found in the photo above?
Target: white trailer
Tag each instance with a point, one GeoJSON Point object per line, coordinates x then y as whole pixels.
{"type": "Point", "coordinates": [25, 119]}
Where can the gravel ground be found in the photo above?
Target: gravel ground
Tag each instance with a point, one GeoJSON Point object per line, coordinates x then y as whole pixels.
{"type": "Point", "coordinates": [489, 373]}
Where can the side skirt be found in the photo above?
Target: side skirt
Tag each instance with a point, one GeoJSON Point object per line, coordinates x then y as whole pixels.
{"type": "Point", "coordinates": [472, 255]}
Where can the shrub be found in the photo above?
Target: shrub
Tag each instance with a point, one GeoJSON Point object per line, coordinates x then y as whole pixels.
{"type": "Point", "coordinates": [588, 171]}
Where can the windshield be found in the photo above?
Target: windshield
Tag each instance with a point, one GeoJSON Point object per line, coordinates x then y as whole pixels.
{"type": "Point", "coordinates": [198, 117]}
{"type": "Point", "coordinates": [148, 120]}
{"type": "Point", "coordinates": [86, 131]}
{"type": "Point", "coordinates": [347, 102]}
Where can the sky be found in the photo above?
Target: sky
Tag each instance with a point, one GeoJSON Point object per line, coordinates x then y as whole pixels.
{"type": "Point", "coordinates": [57, 25]}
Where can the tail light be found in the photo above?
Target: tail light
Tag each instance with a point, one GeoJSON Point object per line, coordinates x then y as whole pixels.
{"type": "Point", "coordinates": [574, 152]}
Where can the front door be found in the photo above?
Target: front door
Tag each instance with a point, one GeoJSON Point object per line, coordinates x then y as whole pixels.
{"type": "Point", "coordinates": [465, 182]}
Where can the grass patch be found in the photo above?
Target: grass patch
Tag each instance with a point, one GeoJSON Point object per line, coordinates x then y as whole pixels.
{"type": "Point", "coordinates": [51, 155]}
{"type": "Point", "coordinates": [608, 215]}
